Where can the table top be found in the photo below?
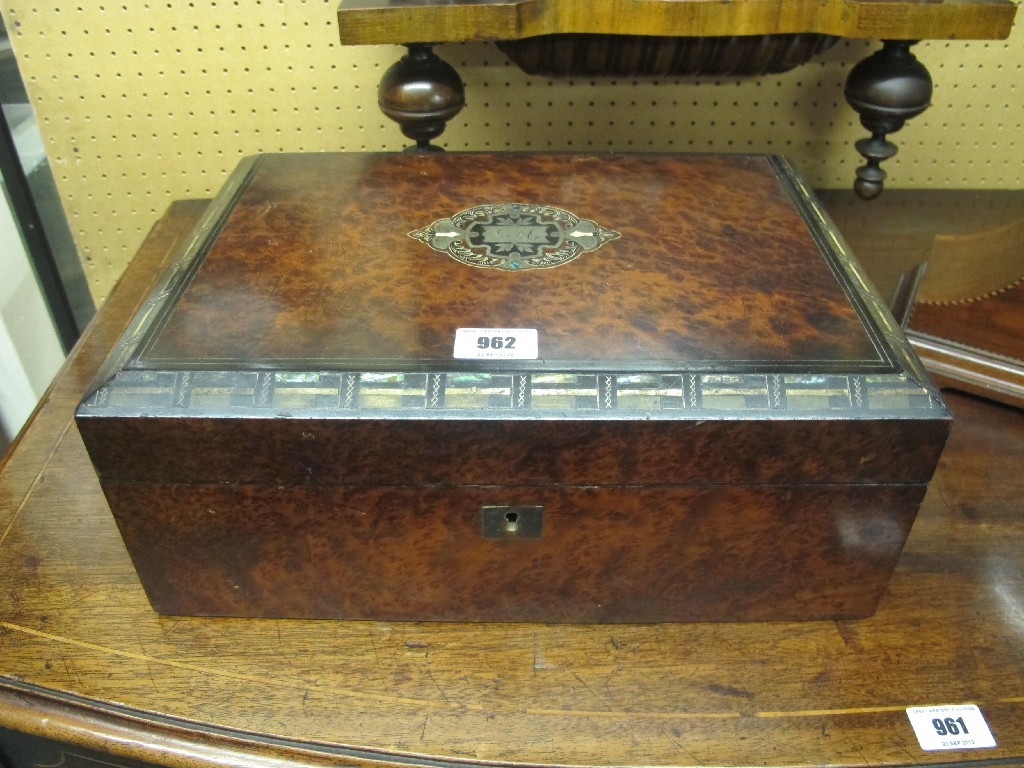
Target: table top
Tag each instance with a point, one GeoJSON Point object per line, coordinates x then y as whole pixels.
{"type": "Point", "coordinates": [363, 22]}
{"type": "Point", "coordinates": [84, 660]}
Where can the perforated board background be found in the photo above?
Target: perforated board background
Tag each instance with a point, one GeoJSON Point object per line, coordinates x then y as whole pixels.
{"type": "Point", "coordinates": [142, 103]}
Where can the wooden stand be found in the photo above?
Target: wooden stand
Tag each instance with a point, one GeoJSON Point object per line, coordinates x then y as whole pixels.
{"type": "Point", "coordinates": [565, 37]}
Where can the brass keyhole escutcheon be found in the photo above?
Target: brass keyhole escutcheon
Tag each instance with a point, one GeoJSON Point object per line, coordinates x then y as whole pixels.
{"type": "Point", "coordinates": [512, 522]}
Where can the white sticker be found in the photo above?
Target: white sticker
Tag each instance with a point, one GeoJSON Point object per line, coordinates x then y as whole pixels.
{"type": "Point", "coordinates": [950, 726]}
{"type": "Point", "coordinates": [496, 344]}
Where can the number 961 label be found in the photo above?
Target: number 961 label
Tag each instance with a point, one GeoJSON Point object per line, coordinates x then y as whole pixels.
{"type": "Point", "coordinates": [954, 726]}
{"type": "Point", "coordinates": [496, 344]}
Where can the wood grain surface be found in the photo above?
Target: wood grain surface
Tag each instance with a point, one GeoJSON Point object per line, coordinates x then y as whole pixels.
{"type": "Point", "coordinates": [975, 346]}
{"type": "Point", "coordinates": [85, 660]}
{"type": "Point", "coordinates": [968, 323]}
{"type": "Point", "coordinates": [971, 239]}
{"type": "Point", "coordinates": [314, 266]}
{"type": "Point", "coordinates": [402, 21]}
{"type": "Point", "coordinates": [607, 555]}
{"type": "Point", "coordinates": [995, 322]}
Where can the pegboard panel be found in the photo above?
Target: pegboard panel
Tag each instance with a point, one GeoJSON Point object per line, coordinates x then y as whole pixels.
{"type": "Point", "coordinates": [142, 103]}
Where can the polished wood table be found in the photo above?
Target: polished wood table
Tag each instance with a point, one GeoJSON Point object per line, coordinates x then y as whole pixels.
{"type": "Point", "coordinates": [89, 675]}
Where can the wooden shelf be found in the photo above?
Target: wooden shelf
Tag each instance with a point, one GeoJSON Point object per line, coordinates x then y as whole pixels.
{"type": "Point", "coordinates": [367, 22]}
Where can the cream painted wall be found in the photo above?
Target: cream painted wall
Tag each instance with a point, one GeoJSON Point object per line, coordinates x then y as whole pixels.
{"type": "Point", "coordinates": [141, 103]}
{"type": "Point", "coordinates": [30, 353]}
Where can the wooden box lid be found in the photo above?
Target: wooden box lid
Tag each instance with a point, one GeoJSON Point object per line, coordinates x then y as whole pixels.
{"type": "Point", "coordinates": [661, 288]}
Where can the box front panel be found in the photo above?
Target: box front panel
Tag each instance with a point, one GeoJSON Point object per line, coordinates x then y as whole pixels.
{"type": "Point", "coordinates": [296, 452]}
{"type": "Point", "coordinates": [515, 553]}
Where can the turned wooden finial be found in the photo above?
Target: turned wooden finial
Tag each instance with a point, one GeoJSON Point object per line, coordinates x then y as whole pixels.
{"type": "Point", "coordinates": [887, 88]}
{"type": "Point", "coordinates": [421, 92]}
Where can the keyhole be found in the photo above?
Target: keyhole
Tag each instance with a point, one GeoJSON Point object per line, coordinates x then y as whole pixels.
{"type": "Point", "coordinates": [511, 522]}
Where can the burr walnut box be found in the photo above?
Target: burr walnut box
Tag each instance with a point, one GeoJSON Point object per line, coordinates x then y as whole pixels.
{"type": "Point", "coordinates": [514, 387]}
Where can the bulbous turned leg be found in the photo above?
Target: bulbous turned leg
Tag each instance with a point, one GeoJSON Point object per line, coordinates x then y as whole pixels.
{"type": "Point", "coordinates": [887, 88]}
{"type": "Point", "coordinates": [421, 92]}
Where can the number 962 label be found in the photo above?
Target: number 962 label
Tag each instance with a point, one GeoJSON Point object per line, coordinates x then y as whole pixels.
{"type": "Point", "coordinates": [953, 726]}
{"type": "Point", "coordinates": [496, 344]}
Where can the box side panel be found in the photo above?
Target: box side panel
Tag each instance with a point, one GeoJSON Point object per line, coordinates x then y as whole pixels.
{"type": "Point", "coordinates": [594, 555]}
{"type": "Point", "coordinates": [537, 452]}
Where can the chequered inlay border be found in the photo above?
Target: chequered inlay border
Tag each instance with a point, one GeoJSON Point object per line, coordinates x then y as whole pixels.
{"type": "Point", "coordinates": [210, 391]}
